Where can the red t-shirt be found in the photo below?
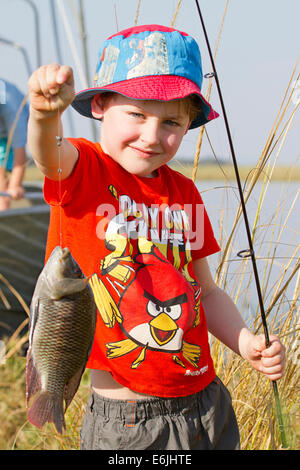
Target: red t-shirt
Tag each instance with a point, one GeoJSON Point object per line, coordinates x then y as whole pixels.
{"type": "Point", "coordinates": [135, 237]}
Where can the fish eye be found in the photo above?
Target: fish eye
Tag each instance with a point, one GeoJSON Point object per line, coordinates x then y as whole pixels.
{"type": "Point", "coordinates": [77, 271]}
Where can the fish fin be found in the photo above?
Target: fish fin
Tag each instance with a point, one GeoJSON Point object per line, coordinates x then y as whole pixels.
{"type": "Point", "coordinates": [67, 286]}
{"type": "Point", "coordinates": [33, 381]}
{"type": "Point", "coordinates": [72, 386]}
{"type": "Point", "coordinates": [47, 407]}
{"type": "Point", "coordinates": [33, 317]}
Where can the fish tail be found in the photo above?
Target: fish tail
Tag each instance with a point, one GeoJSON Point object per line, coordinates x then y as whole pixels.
{"type": "Point", "coordinates": [47, 407]}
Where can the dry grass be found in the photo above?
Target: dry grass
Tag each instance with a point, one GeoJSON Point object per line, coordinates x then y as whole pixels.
{"type": "Point", "coordinates": [279, 277]}
{"type": "Point", "coordinates": [16, 433]}
{"type": "Point", "coordinates": [208, 172]}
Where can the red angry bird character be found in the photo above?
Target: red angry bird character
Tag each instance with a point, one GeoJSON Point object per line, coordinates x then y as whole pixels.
{"type": "Point", "coordinates": [152, 314]}
{"type": "Point", "coordinates": [156, 313]}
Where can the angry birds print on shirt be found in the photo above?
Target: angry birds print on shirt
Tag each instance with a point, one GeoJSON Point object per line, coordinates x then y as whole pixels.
{"type": "Point", "coordinates": [153, 315]}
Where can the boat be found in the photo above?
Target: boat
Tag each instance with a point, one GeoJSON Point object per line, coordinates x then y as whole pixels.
{"type": "Point", "coordinates": [23, 235]}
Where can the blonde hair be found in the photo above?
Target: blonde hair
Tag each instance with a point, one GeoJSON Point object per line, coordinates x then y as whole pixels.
{"type": "Point", "coordinates": [192, 104]}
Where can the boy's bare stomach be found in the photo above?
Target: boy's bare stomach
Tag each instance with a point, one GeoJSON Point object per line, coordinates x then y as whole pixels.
{"type": "Point", "coordinates": [103, 383]}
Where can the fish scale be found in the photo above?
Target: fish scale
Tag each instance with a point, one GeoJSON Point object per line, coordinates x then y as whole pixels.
{"type": "Point", "coordinates": [55, 349]}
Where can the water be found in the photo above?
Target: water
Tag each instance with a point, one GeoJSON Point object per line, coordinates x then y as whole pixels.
{"type": "Point", "coordinates": [275, 242]}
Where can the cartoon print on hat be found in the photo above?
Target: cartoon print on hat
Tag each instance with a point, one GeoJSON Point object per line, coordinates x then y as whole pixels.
{"type": "Point", "coordinates": [107, 65]}
{"type": "Point", "coordinates": [149, 56]}
{"type": "Point", "coordinates": [148, 62]}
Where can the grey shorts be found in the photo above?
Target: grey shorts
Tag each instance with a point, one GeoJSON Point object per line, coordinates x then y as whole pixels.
{"type": "Point", "coordinates": [203, 421]}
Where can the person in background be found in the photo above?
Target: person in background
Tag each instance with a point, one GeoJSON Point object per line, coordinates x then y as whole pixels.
{"type": "Point", "coordinates": [13, 135]}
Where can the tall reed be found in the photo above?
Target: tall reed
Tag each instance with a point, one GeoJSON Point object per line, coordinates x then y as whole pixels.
{"type": "Point", "coordinates": [279, 277]}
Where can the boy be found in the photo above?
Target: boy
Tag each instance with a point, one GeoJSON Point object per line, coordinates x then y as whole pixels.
{"type": "Point", "coordinates": [128, 220]}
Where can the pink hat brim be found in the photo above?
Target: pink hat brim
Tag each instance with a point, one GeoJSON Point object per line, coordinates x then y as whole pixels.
{"type": "Point", "coordinates": [155, 87]}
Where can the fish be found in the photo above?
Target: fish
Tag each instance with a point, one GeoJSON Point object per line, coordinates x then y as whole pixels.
{"type": "Point", "coordinates": [61, 331]}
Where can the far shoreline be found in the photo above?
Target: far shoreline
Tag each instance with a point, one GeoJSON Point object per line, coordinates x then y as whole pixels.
{"type": "Point", "coordinates": [226, 171]}
{"type": "Point", "coordinates": [205, 172]}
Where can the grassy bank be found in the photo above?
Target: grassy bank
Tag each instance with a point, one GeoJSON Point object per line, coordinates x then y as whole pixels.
{"type": "Point", "coordinates": [16, 433]}
{"type": "Point", "coordinates": [226, 172]}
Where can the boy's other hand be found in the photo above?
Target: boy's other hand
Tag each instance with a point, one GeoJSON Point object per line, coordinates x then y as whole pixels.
{"type": "Point", "coordinates": [270, 361]}
{"type": "Point", "coordinates": [51, 88]}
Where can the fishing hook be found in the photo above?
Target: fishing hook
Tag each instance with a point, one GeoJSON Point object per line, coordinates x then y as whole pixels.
{"type": "Point", "coordinates": [250, 252]}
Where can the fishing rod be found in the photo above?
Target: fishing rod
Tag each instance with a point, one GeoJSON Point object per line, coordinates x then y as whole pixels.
{"type": "Point", "coordinates": [248, 253]}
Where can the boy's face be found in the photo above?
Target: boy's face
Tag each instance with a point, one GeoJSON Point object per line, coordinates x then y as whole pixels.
{"type": "Point", "coordinates": [140, 135]}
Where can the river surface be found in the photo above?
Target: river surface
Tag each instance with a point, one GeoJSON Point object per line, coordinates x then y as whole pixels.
{"type": "Point", "coordinates": [275, 242]}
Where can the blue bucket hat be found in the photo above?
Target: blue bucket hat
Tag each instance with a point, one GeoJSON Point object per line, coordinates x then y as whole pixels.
{"type": "Point", "coordinates": [149, 62]}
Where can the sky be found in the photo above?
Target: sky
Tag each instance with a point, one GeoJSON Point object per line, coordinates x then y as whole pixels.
{"type": "Point", "coordinates": [258, 50]}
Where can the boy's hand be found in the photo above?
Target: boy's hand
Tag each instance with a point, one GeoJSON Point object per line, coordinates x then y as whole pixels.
{"type": "Point", "coordinates": [51, 88]}
{"type": "Point", "coordinates": [270, 361]}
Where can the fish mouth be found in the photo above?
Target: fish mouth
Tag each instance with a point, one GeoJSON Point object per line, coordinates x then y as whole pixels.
{"type": "Point", "coordinates": [163, 329]}
{"type": "Point", "coordinates": [65, 253]}
{"type": "Point", "coordinates": [68, 265]}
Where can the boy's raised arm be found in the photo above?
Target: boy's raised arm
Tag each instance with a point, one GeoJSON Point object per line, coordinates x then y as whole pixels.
{"type": "Point", "coordinates": [51, 91]}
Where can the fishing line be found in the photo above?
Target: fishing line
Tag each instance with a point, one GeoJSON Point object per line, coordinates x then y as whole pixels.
{"type": "Point", "coordinates": [248, 252]}
{"type": "Point", "coordinates": [59, 170]}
